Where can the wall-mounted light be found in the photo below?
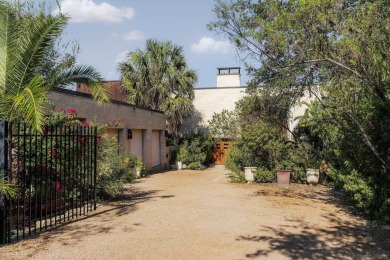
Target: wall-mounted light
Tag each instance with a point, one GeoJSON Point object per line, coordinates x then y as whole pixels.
{"type": "Point", "coordinates": [129, 134]}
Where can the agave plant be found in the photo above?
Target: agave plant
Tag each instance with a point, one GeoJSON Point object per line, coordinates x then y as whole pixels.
{"type": "Point", "coordinates": [23, 90]}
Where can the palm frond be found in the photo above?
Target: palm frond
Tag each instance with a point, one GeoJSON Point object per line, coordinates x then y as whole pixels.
{"type": "Point", "coordinates": [8, 44]}
{"type": "Point", "coordinates": [86, 75]}
{"type": "Point", "coordinates": [9, 190]}
{"type": "Point", "coordinates": [34, 44]}
{"type": "Point", "coordinates": [29, 103]}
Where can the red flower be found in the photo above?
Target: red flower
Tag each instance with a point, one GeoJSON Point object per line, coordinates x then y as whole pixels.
{"type": "Point", "coordinates": [72, 111]}
{"type": "Point", "coordinates": [58, 187]}
{"type": "Point", "coordinates": [85, 123]}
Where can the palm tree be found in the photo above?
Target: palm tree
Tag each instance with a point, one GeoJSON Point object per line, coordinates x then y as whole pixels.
{"type": "Point", "coordinates": [158, 78]}
{"type": "Point", "coordinates": [23, 46]}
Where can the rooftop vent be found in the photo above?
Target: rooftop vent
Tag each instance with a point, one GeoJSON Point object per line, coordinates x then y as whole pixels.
{"type": "Point", "coordinates": [229, 77]}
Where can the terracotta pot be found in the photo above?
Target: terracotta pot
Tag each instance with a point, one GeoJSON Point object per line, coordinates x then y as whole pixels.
{"type": "Point", "coordinates": [283, 177]}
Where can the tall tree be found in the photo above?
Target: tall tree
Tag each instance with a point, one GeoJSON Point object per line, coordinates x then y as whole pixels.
{"type": "Point", "coordinates": [25, 41]}
{"type": "Point", "coordinates": [295, 45]}
{"type": "Point", "coordinates": [158, 78]}
{"type": "Point", "coordinates": [341, 46]}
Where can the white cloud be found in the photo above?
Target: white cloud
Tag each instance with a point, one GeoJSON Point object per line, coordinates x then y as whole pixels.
{"type": "Point", "coordinates": [121, 57]}
{"type": "Point", "coordinates": [88, 11]}
{"type": "Point", "coordinates": [134, 36]}
{"type": "Point", "coordinates": [208, 45]}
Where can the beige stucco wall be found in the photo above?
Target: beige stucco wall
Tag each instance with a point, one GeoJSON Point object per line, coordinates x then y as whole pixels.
{"type": "Point", "coordinates": [135, 118]}
{"type": "Point", "coordinates": [213, 100]}
{"type": "Point", "coordinates": [208, 101]}
{"type": "Point", "coordinates": [228, 80]}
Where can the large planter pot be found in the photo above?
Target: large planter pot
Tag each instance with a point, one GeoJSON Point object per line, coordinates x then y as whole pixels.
{"type": "Point", "coordinates": [248, 171]}
{"type": "Point", "coordinates": [283, 177]}
{"type": "Point", "coordinates": [138, 172]}
{"type": "Point", "coordinates": [179, 165]}
{"type": "Point", "coordinates": [312, 176]}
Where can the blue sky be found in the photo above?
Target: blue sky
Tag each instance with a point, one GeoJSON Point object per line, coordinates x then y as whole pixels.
{"type": "Point", "coordinates": [107, 30]}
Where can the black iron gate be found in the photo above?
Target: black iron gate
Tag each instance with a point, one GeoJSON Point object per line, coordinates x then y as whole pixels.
{"type": "Point", "coordinates": [55, 173]}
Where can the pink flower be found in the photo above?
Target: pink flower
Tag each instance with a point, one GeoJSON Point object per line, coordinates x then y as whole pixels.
{"type": "Point", "coordinates": [85, 123]}
{"type": "Point", "coordinates": [58, 187]}
{"type": "Point", "coordinates": [72, 111]}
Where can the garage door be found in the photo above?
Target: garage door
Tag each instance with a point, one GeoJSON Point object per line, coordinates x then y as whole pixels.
{"type": "Point", "coordinates": [136, 146]}
{"type": "Point", "coordinates": [156, 148]}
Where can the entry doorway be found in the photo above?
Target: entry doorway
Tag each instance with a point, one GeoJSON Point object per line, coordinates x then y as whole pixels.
{"type": "Point", "coordinates": [221, 152]}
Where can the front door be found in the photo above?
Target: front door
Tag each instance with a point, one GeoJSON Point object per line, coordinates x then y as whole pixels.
{"type": "Point", "coordinates": [221, 151]}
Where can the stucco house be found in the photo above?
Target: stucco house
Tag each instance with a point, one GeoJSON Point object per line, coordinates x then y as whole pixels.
{"type": "Point", "coordinates": [142, 132]}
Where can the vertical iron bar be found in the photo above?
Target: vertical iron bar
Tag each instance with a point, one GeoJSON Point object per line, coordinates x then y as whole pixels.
{"type": "Point", "coordinates": [95, 166]}
{"type": "Point", "coordinates": [40, 180]}
{"type": "Point", "coordinates": [78, 170]}
{"type": "Point", "coordinates": [61, 175]}
{"type": "Point", "coordinates": [55, 177]}
{"type": "Point", "coordinates": [24, 180]}
{"type": "Point", "coordinates": [84, 168]}
{"type": "Point", "coordinates": [30, 180]}
{"type": "Point", "coordinates": [67, 186]}
{"type": "Point", "coordinates": [52, 172]}
{"type": "Point", "coordinates": [9, 175]}
{"type": "Point", "coordinates": [88, 166]}
{"type": "Point", "coordinates": [73, 169]}
{"type": "Point", "coordinates": [46, 172]}
{"type": "Point", "coordinates": [17, 176]}
{"type": "Point", "coordinates": [35, 181]}
{"type": "Point", "coordinates": [3, 168]}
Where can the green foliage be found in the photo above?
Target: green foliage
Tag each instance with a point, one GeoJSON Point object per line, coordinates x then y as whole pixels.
{"type": "Point", "coordinates": [8, 189]}
{"type": "Point", "coordinates": [342, 47]}
{"type": "Point", "coordinates": [196, 166]}
{"type": "Point", "coordinates": [196, 148]}
{"type": "Point", "coordinates": [113, 169]}
{"type": "Point", "coordinates": [263, 175]}
{"type": "Point", "coordinates": [224, 125]}
{"type": "Point", "coordinates": [158, 78]}
{"type": "Point", "coordinates": [26, 37]}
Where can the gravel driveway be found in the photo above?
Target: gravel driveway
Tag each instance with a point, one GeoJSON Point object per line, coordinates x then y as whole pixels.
{"type": "Point", "coordinates": [199, 215]}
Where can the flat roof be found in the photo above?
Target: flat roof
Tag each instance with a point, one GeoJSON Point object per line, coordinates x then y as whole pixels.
{"type": "Point", "coordinates": [89, 96]}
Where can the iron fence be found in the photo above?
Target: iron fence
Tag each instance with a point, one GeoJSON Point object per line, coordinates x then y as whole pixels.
{"type": "Point", "coordinates": [55, 173]}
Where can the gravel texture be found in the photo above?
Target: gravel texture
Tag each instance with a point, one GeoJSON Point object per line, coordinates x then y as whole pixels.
{"type": "Point", "coordinates": [200, 215]}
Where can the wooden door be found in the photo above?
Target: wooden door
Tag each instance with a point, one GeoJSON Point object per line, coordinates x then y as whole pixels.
{"type": "Point", "coordinates": [221, 151]}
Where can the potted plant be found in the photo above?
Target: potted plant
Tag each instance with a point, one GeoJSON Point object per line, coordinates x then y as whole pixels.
{"type": "Point", "coordinates": [312, 172]}
{"type": "Point", "coordinates": [248, 172]}
{"type": "Point", "coordinates": [139, 166]}
{"type": "Point", "coordinates": [182, 155]}
{"type": "Point", "coordinates": [283, 173]}
{"type": "Point", "coordinates": [249, 161]}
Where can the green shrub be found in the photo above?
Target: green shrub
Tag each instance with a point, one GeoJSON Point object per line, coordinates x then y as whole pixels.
{"type": "Point", "coordinates": [237, 177]}
{"type": "Point", "coordinates": [196, 148]}
{"type": "Point", "coordinates": [263, 175]}
{"type": "Point", "coordinates": [196, 166]}
{"type": "Point", "coordinates": [113, 169]}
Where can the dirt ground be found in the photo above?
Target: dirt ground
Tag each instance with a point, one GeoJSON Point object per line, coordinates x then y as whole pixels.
{"type": "Point", "coordinates": [200, 215]}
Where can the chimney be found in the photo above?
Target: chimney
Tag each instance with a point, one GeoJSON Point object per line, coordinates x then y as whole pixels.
{"type": "Point", "coordinates": [228, 77]}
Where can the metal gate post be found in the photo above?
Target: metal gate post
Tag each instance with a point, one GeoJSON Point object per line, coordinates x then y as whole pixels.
{"type": "Point", "coordinates": [3, 170]}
